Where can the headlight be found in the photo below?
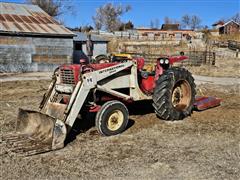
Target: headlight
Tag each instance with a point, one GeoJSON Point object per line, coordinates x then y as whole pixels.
{"type": "Point", "coordinates": [166, 61]}
{"type": "Point", "coordinates": [161, 61]}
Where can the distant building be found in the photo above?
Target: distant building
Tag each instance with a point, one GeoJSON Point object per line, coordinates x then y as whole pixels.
{"type": "Point", "coordinates": [218, 24]}
{"type": "Point", "coordinates": [167, 32]}
{"type": "Point", "coordinates": [80, 51]}
{"type": "Point", "coordinates": [31, 40]}
{"type": "Point", "coordinates": [170, 27]}
{"type": "Point", "coordinates": [230, 27]}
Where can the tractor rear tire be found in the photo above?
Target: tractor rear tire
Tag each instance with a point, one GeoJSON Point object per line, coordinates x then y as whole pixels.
{"type": "Point", "coordinates": [174, 94]}
{"type": "Point", "coordinates": [112, 118]}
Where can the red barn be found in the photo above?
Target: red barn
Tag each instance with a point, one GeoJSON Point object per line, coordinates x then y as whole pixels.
{"type": "Point", "coordinates": [230, 27]}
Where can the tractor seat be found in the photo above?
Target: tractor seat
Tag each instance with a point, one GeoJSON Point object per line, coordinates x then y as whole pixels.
{"type": "Point", "coordinates": [148, 77]}
{"type": "Point", "coordinates": [144, 74]}
{"type": "Point", "coordinates": [148, 70]}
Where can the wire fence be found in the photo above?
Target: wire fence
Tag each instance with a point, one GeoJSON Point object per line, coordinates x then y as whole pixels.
{"type": "Point", "coordinates": [195, 58]}
{"type": "Point", "coordinates": [234, 45]}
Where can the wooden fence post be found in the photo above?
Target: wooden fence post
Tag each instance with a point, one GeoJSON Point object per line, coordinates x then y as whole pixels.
{"type": "Point", "coordinates": [214, 59]}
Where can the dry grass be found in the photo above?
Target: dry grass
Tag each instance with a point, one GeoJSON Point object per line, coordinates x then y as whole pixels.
{"type": "Point", "coordinates": [233, 37]}
{"type": "Point", "coordinates": [203, 146]}
{"type": "Point", "coordinates": [223, 68]}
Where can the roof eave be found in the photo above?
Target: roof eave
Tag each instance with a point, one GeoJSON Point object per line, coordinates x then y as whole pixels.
{"type": "Point", "coordinates": [231, 21]}
{"type": "Point", "coordinates": [92, 40]}
{"type": "Point", "coordinates": [35, 34]}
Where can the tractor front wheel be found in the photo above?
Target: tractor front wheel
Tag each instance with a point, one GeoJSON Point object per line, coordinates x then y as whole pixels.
{"type": "Point", "coordinates": [112, 118]}
{"type": "Point", "coordinates": [174, 94]}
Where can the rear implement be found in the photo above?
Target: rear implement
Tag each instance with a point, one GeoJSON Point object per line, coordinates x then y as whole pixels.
{"type": "Point", "coordinates": [205, 102]}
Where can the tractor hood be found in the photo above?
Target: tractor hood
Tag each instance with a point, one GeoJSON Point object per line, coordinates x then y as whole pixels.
{"type": "Point", "coordinates": [71, 73]}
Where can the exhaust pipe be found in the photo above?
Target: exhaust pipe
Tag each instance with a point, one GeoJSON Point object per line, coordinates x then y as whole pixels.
{"type": "Point", "coordinates": [36, 133]}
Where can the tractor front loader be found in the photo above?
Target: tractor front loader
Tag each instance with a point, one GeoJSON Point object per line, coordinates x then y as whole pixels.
{"type": "Point", "coordinates": [104, 89]}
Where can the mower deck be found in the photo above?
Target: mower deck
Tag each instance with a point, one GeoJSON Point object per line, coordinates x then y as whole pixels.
{"type": "Point", "coordinates": [205, 102]}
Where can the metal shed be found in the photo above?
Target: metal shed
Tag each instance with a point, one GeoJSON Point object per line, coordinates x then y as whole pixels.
{"type": "Point", "coordinates": [79, 41]}
{"type": "Point", "coordinates": [31, 40]}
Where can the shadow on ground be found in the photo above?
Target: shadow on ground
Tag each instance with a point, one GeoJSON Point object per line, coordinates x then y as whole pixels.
{"type": "Point", "coordinates": [87, 121]}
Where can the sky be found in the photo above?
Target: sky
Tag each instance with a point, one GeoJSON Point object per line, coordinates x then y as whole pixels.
{"type": "Point", "coordinates": [143, 11]}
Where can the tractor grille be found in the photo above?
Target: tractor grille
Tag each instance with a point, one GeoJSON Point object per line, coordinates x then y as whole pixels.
{"type": "Point", "coordinates": [67, 76]}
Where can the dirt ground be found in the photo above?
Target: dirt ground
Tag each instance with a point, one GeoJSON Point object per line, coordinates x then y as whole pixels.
{"type": "Point", "coordinates": [224, 67]}
{"type": "Point", "coordinates": [203, 146]}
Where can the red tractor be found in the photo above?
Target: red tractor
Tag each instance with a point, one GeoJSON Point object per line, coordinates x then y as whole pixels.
{"type": "Point", "coordinates": [106, 89]}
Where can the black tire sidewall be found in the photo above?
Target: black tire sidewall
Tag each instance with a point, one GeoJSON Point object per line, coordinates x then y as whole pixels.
{"type": "Point", "coordinates": [172, 76]}
{"type": "Point", "coordinates": [105, 112]}
{"type": "Point", "coordinates": [180, 77]}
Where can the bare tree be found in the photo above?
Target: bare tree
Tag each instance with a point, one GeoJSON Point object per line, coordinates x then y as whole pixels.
{"type": "Point", "coordinates": [129, 25]}
{"type": "Point", "coordinates": [157, 23]}
{"type": "Point", "coordinates": [186, 21]}
{"type": "Point", "coordinates": [86, 28]}
{"type": "Point", "coordinates": [151, 24]}
{"type": "Point", "coordinates": [126, 26]}
{"type": "Point", "coordinates": [154, 24]}
{"type": "Point", "coordinates": [195, 22]}
{"type": "Point", "coordinates": [175, 21]}
{"type": "Point", "coordinates": [108, 16]}
{"type": "Point", "coordinates": [167, 20]}
{"type": "Point", "coordinates": [54, 8]}
{"type": "Point", "coordinates": [205, 27]}
{"type": "Point", "coordinates": [236, 18]}
{"type": "Point", "coordinates": [192, 22]}
{"type": "Point", "coordinates": [98, 23]}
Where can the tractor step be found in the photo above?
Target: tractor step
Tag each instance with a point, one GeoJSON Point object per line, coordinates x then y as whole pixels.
{"type": "Point", "coordinates": [205, 102]}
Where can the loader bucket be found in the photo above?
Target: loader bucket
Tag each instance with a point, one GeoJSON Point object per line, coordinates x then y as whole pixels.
{"type": "Point", "coordinates": [35, 133]}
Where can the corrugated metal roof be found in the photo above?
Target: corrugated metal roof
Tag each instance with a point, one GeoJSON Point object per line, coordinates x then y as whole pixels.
{"type": "Point", "coordinates": [83, 37]}
{"type": "Point", "coordinates": [29, 19]}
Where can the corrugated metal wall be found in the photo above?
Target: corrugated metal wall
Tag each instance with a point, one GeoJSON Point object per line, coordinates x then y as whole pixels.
{"type": "Point", "coordinates": [34, 53]}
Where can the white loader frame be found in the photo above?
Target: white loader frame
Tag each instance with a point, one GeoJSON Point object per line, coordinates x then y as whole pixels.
{"type": "Point", "coordinates": [100, 80]}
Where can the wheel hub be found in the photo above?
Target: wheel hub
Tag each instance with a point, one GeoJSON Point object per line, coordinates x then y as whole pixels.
{"type": "Point", "coordinates": [177, 95]}
{"type": "Point", "coordinates": [181, 95]}
{"type": "Point", "coordinates": [115, 120]}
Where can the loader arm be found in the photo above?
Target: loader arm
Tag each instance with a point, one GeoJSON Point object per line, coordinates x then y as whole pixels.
{"type": "Point", "coordinates": [89, 81]}
{"type": "Point", "coordinates": [38, 132]}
